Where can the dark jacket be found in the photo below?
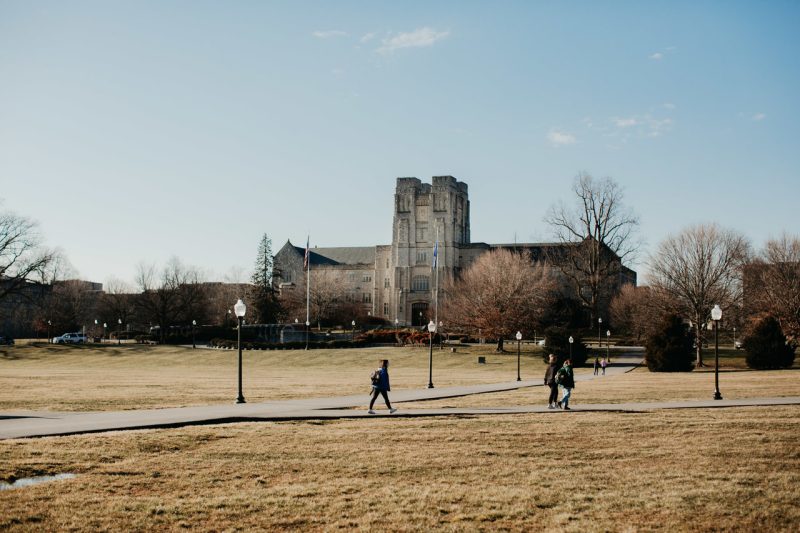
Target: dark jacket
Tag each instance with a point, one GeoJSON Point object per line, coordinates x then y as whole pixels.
{"type": "Point", "coordinates": [550, 374]}
{"type": "Point", "coordinates": [567, 379]}
{"type": "Point", "coordinates": [383, 380]}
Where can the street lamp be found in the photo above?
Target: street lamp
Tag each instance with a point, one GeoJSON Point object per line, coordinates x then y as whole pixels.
{"type": "Point", "coordinates": [431, 331]}
{"type": "Point", "coordinates": [194, 325]}
{"type": "Point", "coordinates": [396, 322]}
{"type": "Point", "coordinates": [571, 340]}
{"type": "Point", "coordinates": [308, 327]}
{"type": "Point", "coordinates": [716, 316]}
{"type": "Point", "coordinates": [105, 325]}
{"type": "Point", "coordinates": [119, 328]}
{"type": "Point", "coordinates": [240, 309]}
{"type": "Point", "coordinates": [353, 334]}
{"type": "Point", "coordinates": [599, 326]}
{"type": "Point", "coordinates": [95, 327]}
{"type": "Point", "coordinates": [608, 343]}
{"type": "Point", "coordinates": [519, 343]}
{"type": "Point", "coordinates": [49, 338]}
{"type": "Point", "coordinates": [734, 337]}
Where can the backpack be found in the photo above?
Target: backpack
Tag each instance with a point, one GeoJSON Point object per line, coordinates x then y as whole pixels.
{"type": "Point", "coordinates": [375, 377]}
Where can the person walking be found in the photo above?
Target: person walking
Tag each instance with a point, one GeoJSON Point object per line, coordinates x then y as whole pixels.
{"type": "Point", "coordinates": [550, 381]}
{"type": "Point", "coordinates": [603, 364]}
{"type": "Point", "coordinates": [380, 386]}
{"type": "Point", "coordinates": [566, 379]}
{"type": "Point", "coordinates": [596, 365]}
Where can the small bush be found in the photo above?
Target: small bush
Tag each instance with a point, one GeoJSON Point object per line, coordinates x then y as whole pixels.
{"type": "Point", "coordinates": [557, 342]}
{"type": "Point", "coordinates": [669, 347]}
{"type": "Point", "coordinates": [766, 346]}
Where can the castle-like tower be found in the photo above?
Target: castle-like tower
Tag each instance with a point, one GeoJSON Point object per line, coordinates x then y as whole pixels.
{"type": "Point", "coordinates": [424, 214]}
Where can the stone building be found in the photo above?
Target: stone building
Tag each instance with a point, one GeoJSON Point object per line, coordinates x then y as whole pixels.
{"type": "Point", "coordinates": [397, 281]}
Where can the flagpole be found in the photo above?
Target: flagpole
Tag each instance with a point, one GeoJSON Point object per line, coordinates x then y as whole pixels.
{"type": "Point", "coordinates": [308, 290]}
{"type": "Point", "coordinates": [436, 281]}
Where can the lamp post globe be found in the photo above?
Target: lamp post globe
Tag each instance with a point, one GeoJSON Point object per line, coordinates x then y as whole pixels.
{"type": "Point", "coordinates": [519, 344]}
{"type": "Point", "coordinates": [716, 316]}
{"type": "Point", "coordinates": [571, 340]}
{"type": "Point", "coordinates": [194, 325]}
{"type": "Point", "coordinates": [240, 309]}
{"type": "Point", "coordinates": [431, 331]}
{"type": "Point", "coordinates": [599, 327]}
{"type": "Point", "coordinates": [119, 330]}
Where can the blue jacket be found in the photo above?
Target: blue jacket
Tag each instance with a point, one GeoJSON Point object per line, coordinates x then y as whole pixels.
{"type": "Point", "coordinates": [383, 380]}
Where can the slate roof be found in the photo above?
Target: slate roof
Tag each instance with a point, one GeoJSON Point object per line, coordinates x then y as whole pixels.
{"type": "Point", "coordinates": [354, 255]}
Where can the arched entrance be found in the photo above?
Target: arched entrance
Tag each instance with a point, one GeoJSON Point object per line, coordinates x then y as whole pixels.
{"type": "Point", "coordinates": [419, 314]}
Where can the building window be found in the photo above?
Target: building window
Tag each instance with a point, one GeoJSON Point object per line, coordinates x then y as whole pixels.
{"type": "Point", "coordinates": [422, 257]}
{"type": "Point", "coordinates": [366, 297]}
{"type": "Point", "coordinates": [419, 283]}
{"type": "Point", "coordinates": [367, 278]}
{"type": "Point", "coordinates": [352, 277]}
{"type": "Point", "coordinates": [385, 309]}
{"type": "Point", "coordinates": [387, 262]}
{"type": "Point", "coordinates": [420, 234]}
{"type": "Point", "coordinates": [386, 283]}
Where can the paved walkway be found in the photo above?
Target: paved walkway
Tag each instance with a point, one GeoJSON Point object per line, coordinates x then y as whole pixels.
{"type": "Point", "coordinates": [21, 424]}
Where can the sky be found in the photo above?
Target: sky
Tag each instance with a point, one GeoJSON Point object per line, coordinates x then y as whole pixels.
{"type": "Point", "coordinates": [134, 132]}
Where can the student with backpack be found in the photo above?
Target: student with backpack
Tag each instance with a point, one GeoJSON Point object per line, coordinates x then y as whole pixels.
{"type": "Point", "coordinates": [566, 379]}
{"type": "Point", "coordinates": [604, 364]}
{"type": "Point", "coordinates": [380, 385]}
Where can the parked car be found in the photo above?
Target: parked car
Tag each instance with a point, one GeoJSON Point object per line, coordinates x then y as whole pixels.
{"type": "Point", "coordinates": [6, 341]}
{"type": "Point", "coordinates": [737, 345]}
{"type": "Point", "coordinates": [70, 338]}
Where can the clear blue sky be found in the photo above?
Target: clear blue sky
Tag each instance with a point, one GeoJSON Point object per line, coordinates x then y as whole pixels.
{"type": "Point", "coordinates": [135, 131]}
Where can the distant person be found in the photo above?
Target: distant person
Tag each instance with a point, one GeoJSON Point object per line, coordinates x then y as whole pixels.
{"type": "Point", "coordinates": [550, 381]}
{"type": "Point", "coordinates": [596, 365]}
{"type": "Point", "coordinates": [566, 379]}
{"type": "Point", "coordinates": [603, 364]}
{"type": "Point", "coordinates": [380, 385]}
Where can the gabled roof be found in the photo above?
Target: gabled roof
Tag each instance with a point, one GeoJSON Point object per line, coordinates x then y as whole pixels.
{"type": "Point", "coordinates": [354, 255]}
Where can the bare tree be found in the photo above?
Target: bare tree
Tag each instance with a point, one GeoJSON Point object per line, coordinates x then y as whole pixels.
{"type": "Point", "coordinates": [500, 293]}
{"type": "Point", "coordinates": [700, 267]}
{"type": "Point", "coordinates": [22, 258]}
{"type": "Point", "coordinates": [327, 297]}
{"type": "Point", "coordinates": [117, 303]}
{"type": "Point", "coordinates": [598, 234]}
{"type": "Point", "coordinates": [774, 283]}
{"type": "Point", "coordinates": [637, 310]}
{"type": "Point", "coordinates": [175, 297]}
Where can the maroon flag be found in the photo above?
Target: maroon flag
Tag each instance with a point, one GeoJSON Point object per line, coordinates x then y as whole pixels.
{"type": "Point", "coordinates": [305, 259]}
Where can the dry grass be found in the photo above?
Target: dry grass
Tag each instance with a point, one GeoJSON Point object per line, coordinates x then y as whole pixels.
{"type": "Point", "coordinates": [723, 470]}
{"type": "Point", "coordinates": [111, 377]}
{"type": "Point", "coordinates": [640, 385]}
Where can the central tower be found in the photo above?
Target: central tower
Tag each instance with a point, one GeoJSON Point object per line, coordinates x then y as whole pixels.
{"type": "Point", "coordinates": [424, 214]}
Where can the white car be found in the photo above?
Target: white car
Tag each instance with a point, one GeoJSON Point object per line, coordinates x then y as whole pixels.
{"type": "Point", "coordinates": [70, 338]}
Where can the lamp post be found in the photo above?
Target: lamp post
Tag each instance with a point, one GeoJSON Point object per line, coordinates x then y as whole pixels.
{"type": "Point", "coordinates": [308, 327]}
{"type": "Point", "coordinates": [734, 337]}
{"type": "Point", "coordinates": [105, 325]}
{"type": "Point", "coordinates": [519, 343]}
{"type": "Point", "coordinates": [194, 325]}
{"type": "Point", "coordinates": [240, 309]}
{"type": "Point", "coordinates": [353, 333]}
{"type": "Point", "coordinates": [571, 340]}
{"type": "Point", "coordinates": [119, 329]}
{"type": "Point", "coordinates": [608, 343]}
{"type": "Point", "coordinates": [431, 331]}
{"type": "Point", "coordinates": [599, 326]}
{"type": "Point", "coordinates": [49, 338]}
{"type": "Point", "coordinates": [95, 327]}
{"type": "Point", "coordinates": [716, 316]}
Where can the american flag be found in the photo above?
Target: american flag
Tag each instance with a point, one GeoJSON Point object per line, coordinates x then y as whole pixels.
{"type": "Point", "coordinates": [305, 259]}
{"type": "Point", "coordinates": [435, 254]}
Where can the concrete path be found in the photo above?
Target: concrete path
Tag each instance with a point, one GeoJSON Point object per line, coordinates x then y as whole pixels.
{"type": "Point", "coordinates": [21, 424]}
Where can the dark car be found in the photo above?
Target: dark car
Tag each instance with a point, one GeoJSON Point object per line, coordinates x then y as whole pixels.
{"type": "Point", "coordinates": [6, 341]}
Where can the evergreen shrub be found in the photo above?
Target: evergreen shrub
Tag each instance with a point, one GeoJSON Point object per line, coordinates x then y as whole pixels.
{"type": "Point", "coordinates": [766, 346]}
{"type": "Point", "coordinates": [669, 346]}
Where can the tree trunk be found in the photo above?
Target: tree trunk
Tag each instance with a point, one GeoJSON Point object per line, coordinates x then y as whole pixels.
{"type": "Point", "coordinates": [698, 339]}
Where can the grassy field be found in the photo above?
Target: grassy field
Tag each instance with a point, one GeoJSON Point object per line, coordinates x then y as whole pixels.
{"type": "Point", "coordinates": [95, 378]}
{"type": "Point", "coordinates": [701, 470]}
{"type": "Point", "coordinates": [732, 469]}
